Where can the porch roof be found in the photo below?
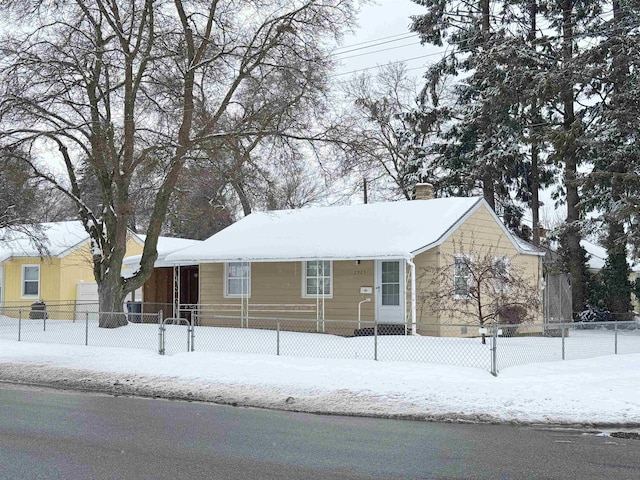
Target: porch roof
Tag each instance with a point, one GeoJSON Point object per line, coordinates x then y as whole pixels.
{"type": "Point", "coordinates": [165, 246]}
{"type": "Point", "coordinates": [370, 231]}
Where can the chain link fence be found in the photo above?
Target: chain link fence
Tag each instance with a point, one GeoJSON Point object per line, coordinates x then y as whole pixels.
{"type": "Point", "coordinates": [491, 348]}
{"type": "Point", "coordinates": [73, 327]}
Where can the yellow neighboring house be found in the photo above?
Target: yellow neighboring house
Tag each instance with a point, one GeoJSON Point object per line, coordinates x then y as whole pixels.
{"type": "Point", "coordinates": [61, 276]}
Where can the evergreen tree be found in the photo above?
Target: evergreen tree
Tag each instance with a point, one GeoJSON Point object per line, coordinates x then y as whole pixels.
{"type": "Point", "coordinates": [613, 185]}
{"type": "Point", "coordinates": [492, 140]}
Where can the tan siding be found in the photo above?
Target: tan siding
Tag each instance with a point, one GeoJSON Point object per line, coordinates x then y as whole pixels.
{"type": "Point", "coordinates": [481, 232]}
{"type": "Point", "coordinates": [426, 263]}
{"type": "Point", "coordinates": [275, 283]}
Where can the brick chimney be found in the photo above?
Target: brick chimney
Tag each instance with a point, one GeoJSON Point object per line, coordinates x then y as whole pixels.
{"type": "Point", "coordinates": [424, 191]}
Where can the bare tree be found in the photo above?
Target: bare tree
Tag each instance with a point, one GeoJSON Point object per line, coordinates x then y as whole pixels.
{"type": "Point", "coordinates": [119, 88]}
{"type": "Point", "coordinates": [481, 286]}
{"type": "Point", "coordinates": [387, 142]}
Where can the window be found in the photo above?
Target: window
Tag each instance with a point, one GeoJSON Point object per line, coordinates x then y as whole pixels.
{"type": "Point", "coordinates": [30, 281]}
{"type": "Point", "coordinates": [237, 279]}
{"type": "Point", "coordinates": [317, 279]}
{"type": "Point", "coordinates": [462, 277]}
{"type": "Point", "coordinates": [501, 275]}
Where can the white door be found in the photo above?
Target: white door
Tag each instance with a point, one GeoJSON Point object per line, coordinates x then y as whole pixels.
{"type": "Point", "coordinates": [390, 291]}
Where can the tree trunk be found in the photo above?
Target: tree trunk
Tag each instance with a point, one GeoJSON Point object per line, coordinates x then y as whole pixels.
{"type": "Point", "coordinates": [570, 154]}
{"type": "Point", "coordinates": [619, 297]}
{"type": "Point", "coordinates": [111, 302]}
{"type": "Point", "coordinates": [535, 149]}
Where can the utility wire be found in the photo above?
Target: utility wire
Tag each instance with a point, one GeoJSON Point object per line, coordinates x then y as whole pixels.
{"type": "Point", "coordinates": [377, 44]}
{"type": "Point", "coordinates": [374, 40]}
{"type": "Point", "coordinates": [578, 35]}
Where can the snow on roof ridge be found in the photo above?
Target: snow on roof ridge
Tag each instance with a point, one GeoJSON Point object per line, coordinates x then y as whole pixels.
{"type": "Point", "coordinates": [374, 230]}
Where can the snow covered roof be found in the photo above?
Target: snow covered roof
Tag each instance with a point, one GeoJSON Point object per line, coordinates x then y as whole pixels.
{"type": "Point", "coordinates": [58, 238]}
{"type": "Point", "coordinates": [378, 230]}
{"type": "Point", "coordinates": [597, 256]}
{"type": "Point", "coordinates": [166, 245]}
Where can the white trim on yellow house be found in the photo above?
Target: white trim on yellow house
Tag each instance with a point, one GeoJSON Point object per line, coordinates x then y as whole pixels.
{"type": "Point", "coordinates": [23, 281]}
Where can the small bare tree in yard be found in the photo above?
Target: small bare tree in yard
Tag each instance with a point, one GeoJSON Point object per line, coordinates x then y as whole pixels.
{"type": "Point", "coordinates": [102, 94]}
{"type": "Point", "coordinates": [481, 286]}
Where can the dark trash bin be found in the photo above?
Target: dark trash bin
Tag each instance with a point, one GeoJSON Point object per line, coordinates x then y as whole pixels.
{"type": "Point", "coordinates": [134, 310]}
{"type": "Point", "coordinates": [38, 311]}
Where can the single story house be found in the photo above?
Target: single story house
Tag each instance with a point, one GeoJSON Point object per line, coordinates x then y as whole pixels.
{"type": "Point", "coordinates": [63, 276]}
{"type": "Point", "coordinates": [343, 263]}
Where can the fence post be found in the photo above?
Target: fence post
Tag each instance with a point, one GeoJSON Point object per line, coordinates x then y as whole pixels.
{"type": "Point", "coordinates": [615, 336]}
{"type": "Point", "coordinates": [278, 337]}
{"type": "Point", "coordinates": [193, 334]}
{"type": "Point", "coordinates": [494, 356]}
{"type": "Point", "coordinates": [375, 340]}
{"type": "Point", "coordinates": [160, 334]}
{"type": "Point", "coordinates": [86, 329]}
{"type": "Point", "coordinates": [562, 330]}
{"type": "Point", "coordinates": [19, 323]}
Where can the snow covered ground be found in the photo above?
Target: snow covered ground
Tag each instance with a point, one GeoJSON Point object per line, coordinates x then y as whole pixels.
{"type": "Point", "coordinates": [597, 391]}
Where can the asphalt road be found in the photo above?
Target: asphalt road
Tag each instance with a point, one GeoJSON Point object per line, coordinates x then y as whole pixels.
{"type": "Point", "coordinates": [47, 434]}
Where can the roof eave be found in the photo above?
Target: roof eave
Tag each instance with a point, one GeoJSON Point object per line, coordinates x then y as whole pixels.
{"type": "Point", "coordinates": [193, 261]}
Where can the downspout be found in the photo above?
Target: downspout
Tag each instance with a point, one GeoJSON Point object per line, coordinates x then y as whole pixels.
{"type": "Point", "coordinates": [413, 295]}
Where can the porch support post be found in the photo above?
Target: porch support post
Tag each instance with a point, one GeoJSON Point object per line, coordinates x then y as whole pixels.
{"type": "Point", "coordinates": [176, 291]}
{"type": "Point", "coordinates": [413, 295]}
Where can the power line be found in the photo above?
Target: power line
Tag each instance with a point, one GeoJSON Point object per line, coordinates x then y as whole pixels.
{"type": "Point", "coordinates": [374, 40]}
{"type": "Point", "coordinates": [593, 33]}
{"type": "Point", "coordinates": [381, 50]}
{"type": "Point", "coordinates": [393, 63]}
{"type": "Point", "coordinates": [409, 35]}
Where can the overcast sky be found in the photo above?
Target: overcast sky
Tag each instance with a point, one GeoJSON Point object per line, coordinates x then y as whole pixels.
{"type": "Point", "coordinates": [371, 45]}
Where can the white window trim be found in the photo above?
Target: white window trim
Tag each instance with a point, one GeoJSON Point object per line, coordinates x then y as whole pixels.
{"type": "Point", "coordinates": [226, 283]}
{"type": "Point", "coordinates": [22, 281]}
{"type": "Point", "coordinates": [507, 267]}
{"type": "Point", "coordinates": [304, 281]}
{"type": "Point", "coordinates": [469, 259]}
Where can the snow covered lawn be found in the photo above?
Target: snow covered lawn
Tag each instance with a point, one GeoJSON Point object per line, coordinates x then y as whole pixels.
{"type": "Point", "coordinates": [603, 390]}
{"type": "Point", "coordinates": [469, 352]}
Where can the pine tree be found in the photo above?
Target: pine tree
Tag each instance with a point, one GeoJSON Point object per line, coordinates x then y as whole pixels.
{"type": "Point", "coordinates": [613, 185]}
{"type": "Point", "coordinates": [492, 140]}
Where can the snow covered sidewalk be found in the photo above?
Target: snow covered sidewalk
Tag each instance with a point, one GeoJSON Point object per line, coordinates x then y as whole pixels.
{"type": "Point", "coordinates": [600, 391]}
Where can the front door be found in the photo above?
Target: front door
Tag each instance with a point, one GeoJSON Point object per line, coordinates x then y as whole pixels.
{"type": "Point", "coordinates": [390, 296]}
